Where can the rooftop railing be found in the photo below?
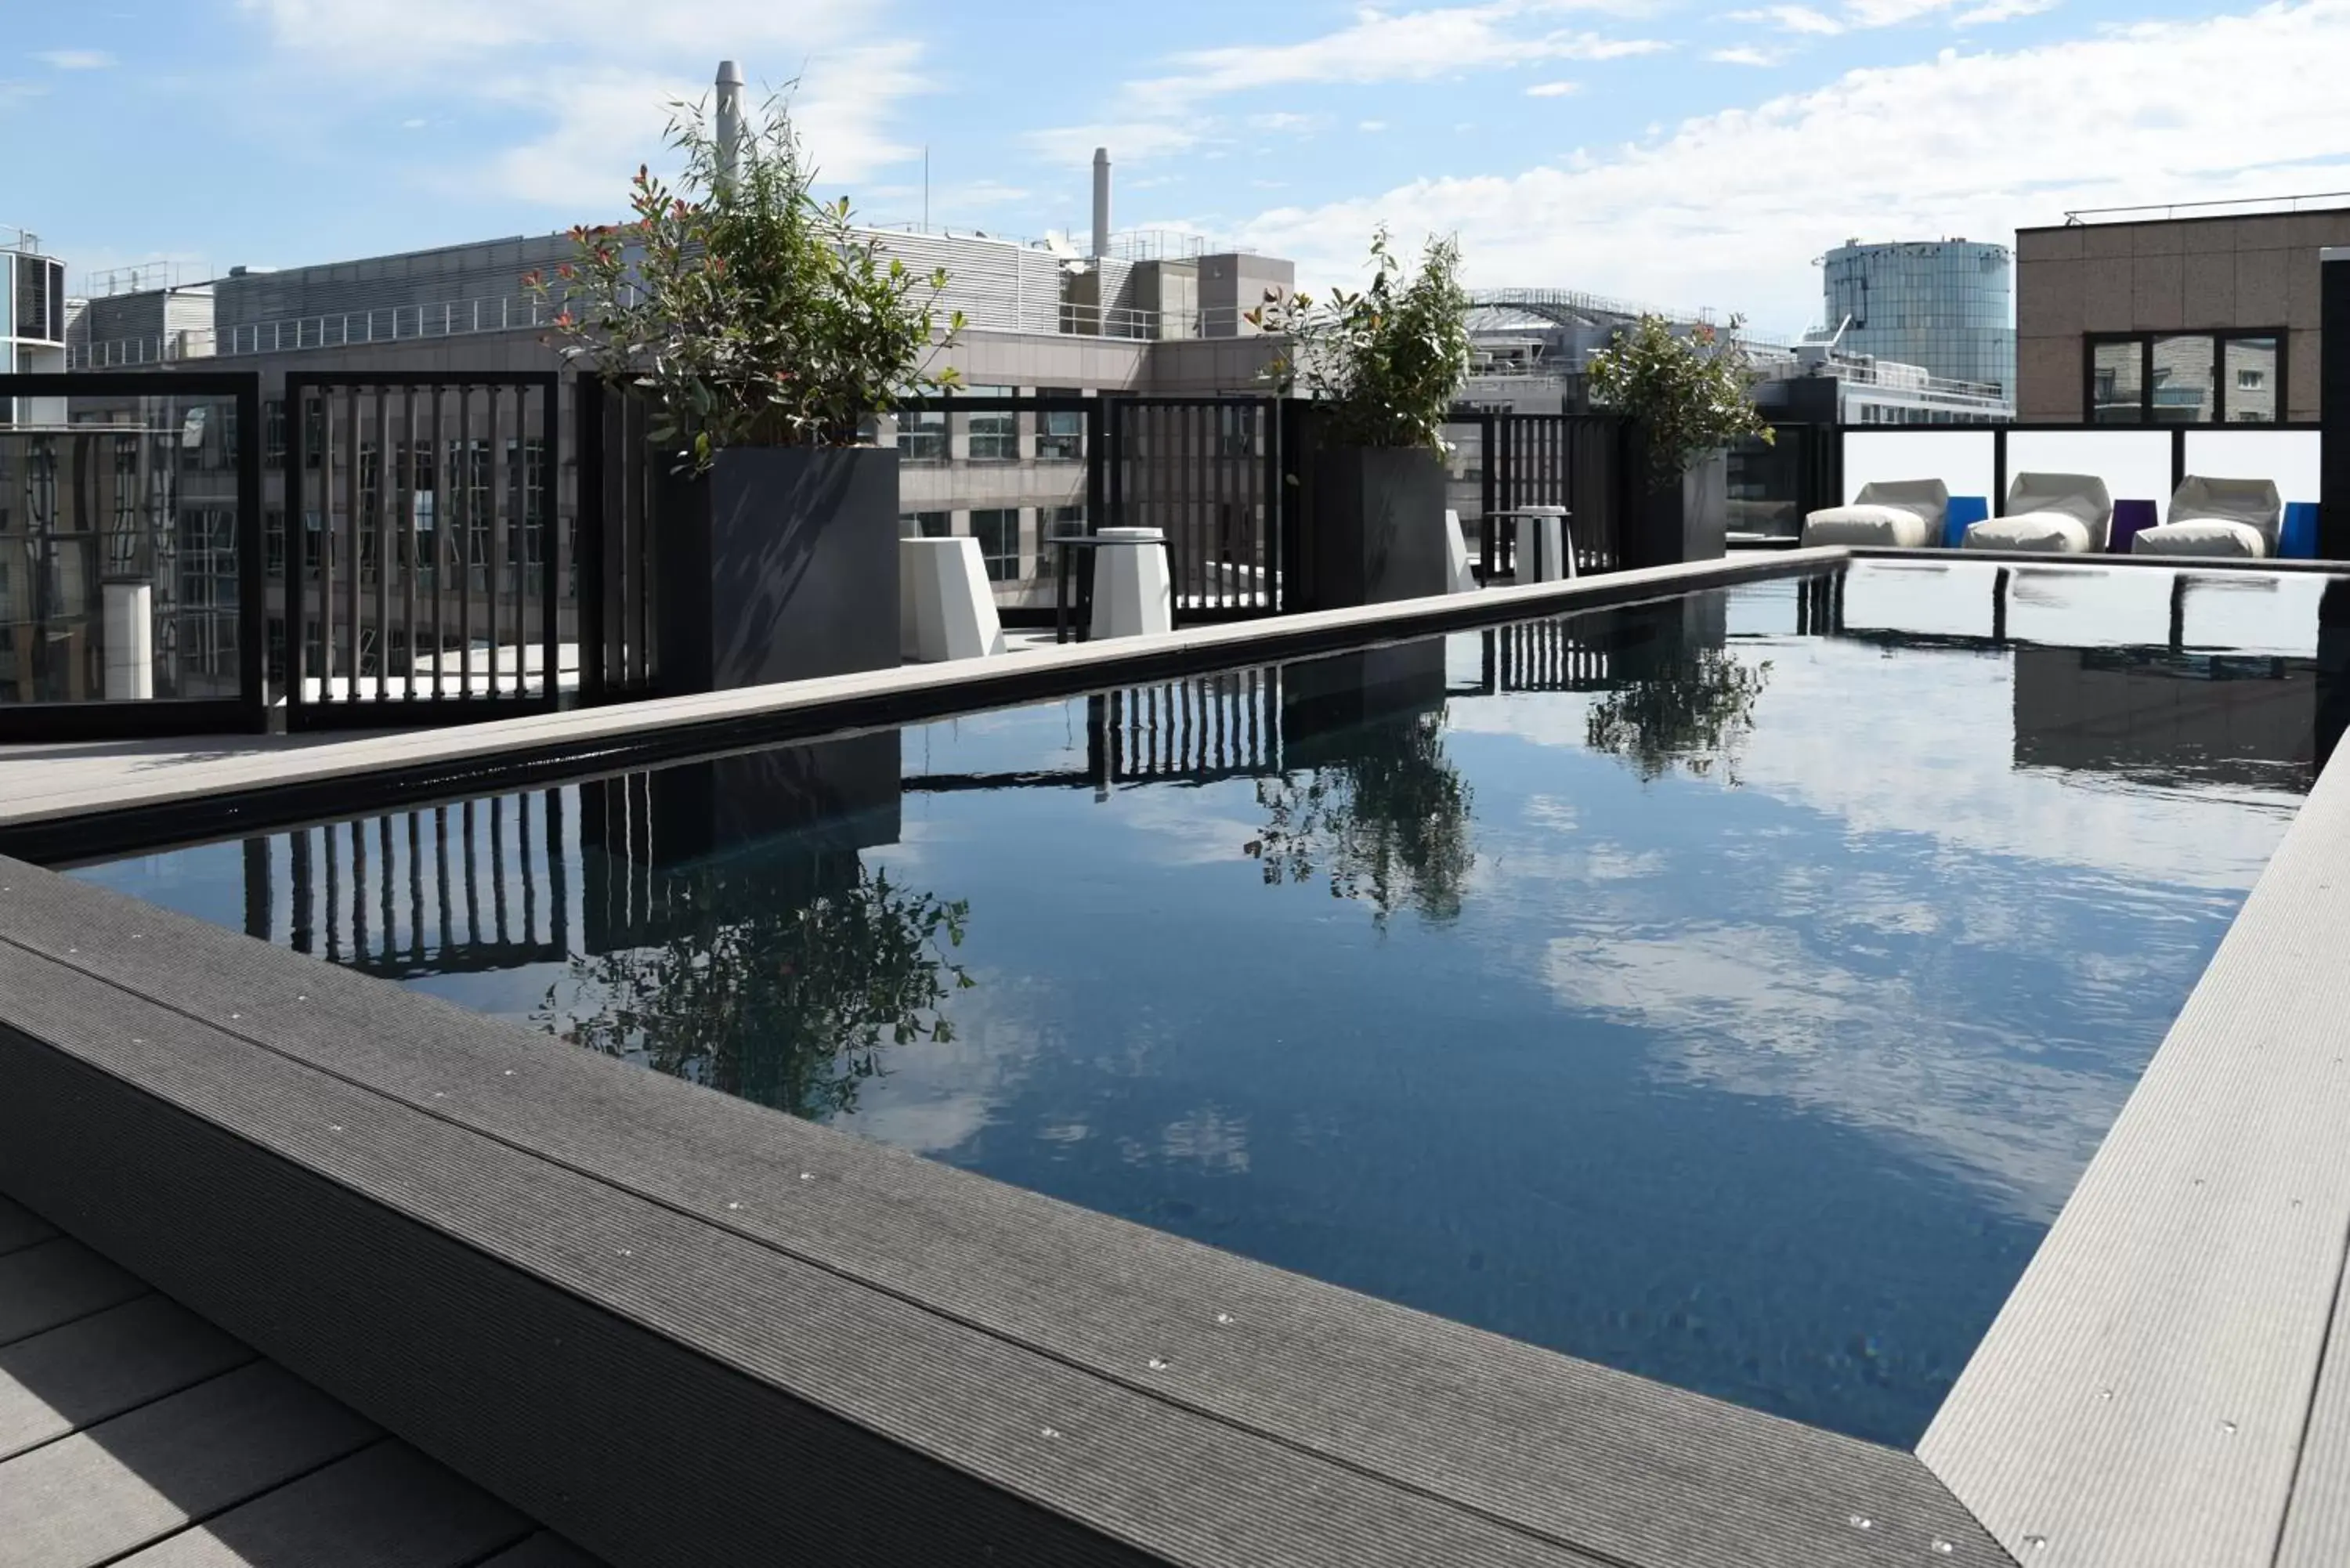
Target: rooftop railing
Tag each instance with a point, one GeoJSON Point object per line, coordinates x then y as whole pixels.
{"type": "Point", "coordinates": [2248, 206]}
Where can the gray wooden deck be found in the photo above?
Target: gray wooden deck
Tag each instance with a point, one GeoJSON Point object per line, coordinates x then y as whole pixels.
{"type": "Point", "coordinates": [133, 1432]}
{"type": "Point", "coordinates": [819, 1350]}
{"type": "Point", "coordinates": [2169, 1382]}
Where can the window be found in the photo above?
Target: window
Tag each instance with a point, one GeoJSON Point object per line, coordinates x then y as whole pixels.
{"type": "Point", "coordinates": [2251, 380]}
{"type": "Point", "coordinates": [272, 434]}
{"type": "Point", "coordinates": [1064, 521]}
{"type": "Point", "coordinates": [1060, 435]}
{"type": "Point", "coordinates": [998, 533]}
{"type": "Point", "coordinates": [994, 438]}
{"type": "Point", "coordinates": [2197, 378]}
{"type": "Point", "coordinates": [2184, 390]}
{"type": "Point", "coordinates": [922, 437]}
{"type": "Point", "coordinates": [924, 524]}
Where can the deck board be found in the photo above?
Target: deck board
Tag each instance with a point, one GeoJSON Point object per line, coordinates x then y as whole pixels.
{"type": "Point", "coordinates": [20, 1227]}
{"type": "Point", "coordinates": [1531, 1445]}
{"type": "Point", "coordinates": [96, 1368]}
{"type": "Point", "coordinates": [385, 1507]}
{"type": "Point", "coordinates": [55, 1281]}
{"type": "Point", "coordinates": [544, 1550]}
{"type": "Point", "coordinates": [89, 1498]}
{"type": "Point", "coordinates": [2317, 1519]}
{"type": "Point", "coordinates": [2143, 1396]}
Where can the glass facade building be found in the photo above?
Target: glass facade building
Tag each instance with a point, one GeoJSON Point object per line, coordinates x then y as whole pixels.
{"type": "Point", "coordinates": [1944, 304]}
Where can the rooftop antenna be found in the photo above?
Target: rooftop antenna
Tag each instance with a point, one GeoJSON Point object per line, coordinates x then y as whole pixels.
{"type": "Point", "coordinates": [730, 122]}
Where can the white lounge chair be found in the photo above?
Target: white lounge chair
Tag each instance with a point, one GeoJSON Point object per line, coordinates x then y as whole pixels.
{"type": "Point", "coordinates": [2064, 514]}
{"type": "Point", "coordinates": [2237, 517]}
{"type": "Point", "coordinates": [1899, 514]}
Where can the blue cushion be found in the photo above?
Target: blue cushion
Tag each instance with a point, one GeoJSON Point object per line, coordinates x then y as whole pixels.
{"type": "Point", "coordinates": [2298, 539]}
{"type": "Point", "coordinates": [1964, 510]}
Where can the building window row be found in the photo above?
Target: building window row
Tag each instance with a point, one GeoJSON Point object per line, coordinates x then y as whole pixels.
{"type": "Point", "coordinates": [2186, 378]}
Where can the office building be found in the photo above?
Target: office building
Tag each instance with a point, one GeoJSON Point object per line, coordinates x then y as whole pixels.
{"type": "Point", "coordinates": [1939, 305]}
{"type": "Point", "coordinates": [2199, 313]}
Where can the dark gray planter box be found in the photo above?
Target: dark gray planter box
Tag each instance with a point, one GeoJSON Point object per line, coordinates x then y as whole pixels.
{"type": "Point", "coordinates": [780, 564]}
{"type": "Point", "coordinates": [1375, 526]}
{"type": "Point", "coordinates": [1689, 521]}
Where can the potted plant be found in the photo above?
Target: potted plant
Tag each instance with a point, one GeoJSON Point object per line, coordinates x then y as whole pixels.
{"type": "Point", "coordinates": [766, 334]}
{"type": "Point", "coordinates": [1383, 368]}
{"type": "Point", "coordinates": [1691, 395]}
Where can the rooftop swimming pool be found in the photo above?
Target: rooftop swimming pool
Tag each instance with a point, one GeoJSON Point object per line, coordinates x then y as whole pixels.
{"type": "Point", "coordinates": [1728, 989]}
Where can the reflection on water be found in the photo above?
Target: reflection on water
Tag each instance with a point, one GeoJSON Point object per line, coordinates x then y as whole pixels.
{"type": "Point", "coordinates": [1770, 961]}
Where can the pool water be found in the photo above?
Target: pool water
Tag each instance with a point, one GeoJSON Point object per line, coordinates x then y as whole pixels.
{"type": "Point", "coordinates": [1728, 989]}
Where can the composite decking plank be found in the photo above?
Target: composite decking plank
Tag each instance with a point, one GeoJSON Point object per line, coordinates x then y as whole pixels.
{"type": "Point", "coordinates": [1576, 1452]}
{"type": "Point", "coordinates": [385, 1507]}
{"type": "Point", "coordinates": [92, 1497]}
{"type": "Point", "coordinates": [2142, 1396]}
{"type": "Point", "coordinates": [544, 1550]}
{"type": "Point", "coordinates": [321, 1235]}
{"type": "Point", "coordinates": [98, 1366]}
{"type": "Point", "coordinates": [55, 1281]}
{"type": "Point", "coordinates": [2317, 1515]}
{"type": "Point", "coordinates": [20, 1227]}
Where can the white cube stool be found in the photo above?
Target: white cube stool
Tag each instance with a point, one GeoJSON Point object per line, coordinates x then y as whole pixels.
{"type": "Point", "coordinates": [1459, 578]}
{"type": "Point", "coordinates": [127, 626]}
{"type": "Point", "coordinates": [945, 608]}
{"type": "Point", "coordinates": [1132, 594]}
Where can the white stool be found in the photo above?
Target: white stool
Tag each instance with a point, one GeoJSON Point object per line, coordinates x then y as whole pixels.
{"type": "Point", "coordinates": [126, 625]}
{"type": "Point", "coordinates": [1541, 543]}
{"type": "Point", "coordinates": [945, 608]}
{"type": "Point", "coordinates": [1459, 578]}
{"type": "Point", "coordinates": [1132, 594]}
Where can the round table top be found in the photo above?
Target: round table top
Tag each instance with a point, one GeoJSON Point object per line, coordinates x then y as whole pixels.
{"type": "Point", "coordinates": [1530, 511]}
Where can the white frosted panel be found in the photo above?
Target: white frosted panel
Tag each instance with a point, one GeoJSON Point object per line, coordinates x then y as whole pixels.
{"type": "Point", "coordinates": [2289, 457]}
{"type": "Point", "coordinates": [1961, 459]}
{"type": "Point", "coordinates": [2135, 464]}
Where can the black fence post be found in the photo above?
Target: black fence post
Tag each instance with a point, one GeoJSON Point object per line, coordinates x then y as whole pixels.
{"type": "Point", "coordinates": [252, 564]}
{"type": "Point", "coordinates": [1269, 589]}
{"type": "Point", "coordinates": [587, 544]}
{"type": "Point", "coordinates": [2333, 406]}
{"type": "Point", "coordinates": [1489, 480]}
{"type": "Point", "coordinates": [1296, 507]}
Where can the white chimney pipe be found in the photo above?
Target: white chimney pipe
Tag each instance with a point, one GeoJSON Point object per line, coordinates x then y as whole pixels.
{"type": "Point", "coordinates": [730, 122]}
{"type": "Point", "coordinates": [1101, 201]}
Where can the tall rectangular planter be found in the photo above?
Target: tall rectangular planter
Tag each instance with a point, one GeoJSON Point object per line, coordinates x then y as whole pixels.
{"type": "Point", "coordinates": [1373, 526]}
{"type": "Point", "coordinates": [779, 563]}
{"type": "Point", "coordinates": [1688, 521]}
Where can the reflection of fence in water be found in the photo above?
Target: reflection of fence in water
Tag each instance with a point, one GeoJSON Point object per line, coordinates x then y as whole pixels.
{"type": "Point", "coordinates": [1545, 656]}
{"type": "Point", "coordinates": [1207, 727]}
{"type": "Point", "coordinates": [482, 885]}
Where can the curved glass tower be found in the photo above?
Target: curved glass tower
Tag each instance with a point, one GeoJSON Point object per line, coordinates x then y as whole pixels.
{"type": "Point", "coordinates": [1947, 304]}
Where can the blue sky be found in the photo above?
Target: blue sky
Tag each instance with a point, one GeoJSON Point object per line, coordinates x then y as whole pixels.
{"type": "Point", "coordinates": [1651, 150]}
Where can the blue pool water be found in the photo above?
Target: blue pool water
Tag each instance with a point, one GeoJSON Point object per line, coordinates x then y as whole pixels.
{"type": "Point", "coordinates": [1729, 991]}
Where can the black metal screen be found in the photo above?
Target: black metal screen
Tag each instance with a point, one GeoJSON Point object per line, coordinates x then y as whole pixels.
{"type": "Point", "coordinates": [428, 573]}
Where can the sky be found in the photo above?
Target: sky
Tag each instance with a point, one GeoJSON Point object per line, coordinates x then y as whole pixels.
{"type": "Point", "coordinates": [1666, 153]}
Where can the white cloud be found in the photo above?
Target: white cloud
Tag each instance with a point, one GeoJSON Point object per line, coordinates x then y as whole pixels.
{"type": "Point", "coordinates": [1791, 19]}
{"type": "Point", "coordinates": [75, 59]}
{"type": "Point", "coordinates": [1129, 141]}
{"type": "Point", "coordinates": [1412, 46]}
{"type": "Point", "coordinates": [1553, 90]}
{"type": "Point", "coordinates": [1371, 125]}
{"type": "Point", "coordinates": [1377, 47]}
{"type": "Point", "coordinates": [596, 77]}
{"type": "Point", "coordinates": [1729, 208]}
{"type": "Point", "coordinates": [2003, 11]}
{"type": "Point", "coordinates": [1742, 57]}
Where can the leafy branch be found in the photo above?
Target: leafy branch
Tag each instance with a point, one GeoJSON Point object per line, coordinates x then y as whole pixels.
{"type": "Point", "coordinates": [752, 313]}
{"type": "Point", "coordinates": [1694, 393]}
{"type": "Point", "coordinates": [1388, 362]}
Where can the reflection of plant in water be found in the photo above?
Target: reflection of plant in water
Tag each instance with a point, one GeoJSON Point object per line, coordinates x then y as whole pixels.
{"type": "Point", "coordinates": [787, 1006]}
{"type": "Point", "coordinates": [1696, 710]}
{"type": "Point", "coordinates": [1390, 824]}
